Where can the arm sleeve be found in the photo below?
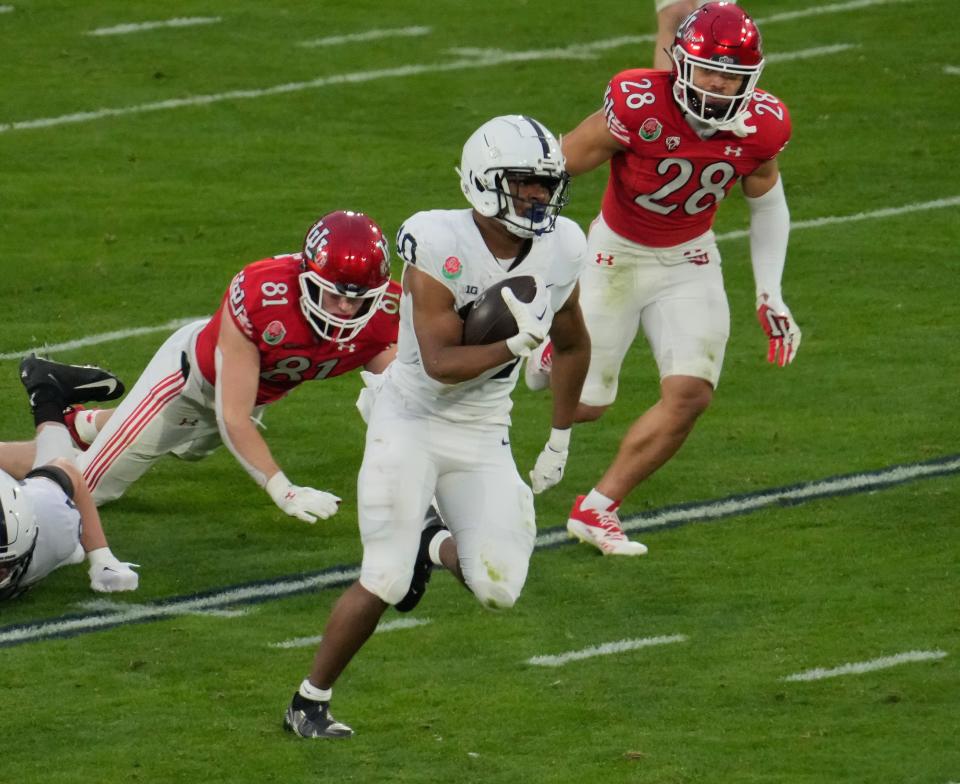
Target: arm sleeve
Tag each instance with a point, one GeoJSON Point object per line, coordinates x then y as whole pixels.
{"type": "Point", "coordinates": [769, 232]}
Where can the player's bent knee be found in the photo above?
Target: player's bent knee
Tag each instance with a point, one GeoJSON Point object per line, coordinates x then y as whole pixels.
{"type": "Point", "coordinates": [391, 588]}
{"type": "Point", "coordinates": [494, 595]}
{"type": "Point", "coordinates": [586, 413]}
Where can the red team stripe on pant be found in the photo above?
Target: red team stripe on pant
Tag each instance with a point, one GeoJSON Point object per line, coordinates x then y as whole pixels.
{"type": "Point", "coordinates": [158, 397]}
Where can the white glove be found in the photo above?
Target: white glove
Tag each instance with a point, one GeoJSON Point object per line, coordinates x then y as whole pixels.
{"type": "Point", "coordinates": [533, 319]}
{"type": "Point", "coordinates": [780, 328]}
{"type": "Point", "coordinates": [108, 575]}
{"type": "Point", "coordinates": [304, 503]}
{"type": "Point", "coordinates": [548, 469]}
{"type": "Point", "coordinates": [738, 125]}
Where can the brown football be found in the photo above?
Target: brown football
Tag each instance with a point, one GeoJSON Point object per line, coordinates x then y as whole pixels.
{"type": "Point", "coordinates": [488, 319]}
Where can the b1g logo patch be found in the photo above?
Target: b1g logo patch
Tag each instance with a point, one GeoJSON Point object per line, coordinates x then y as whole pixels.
{"type": "Point", "coordinates": [651, 129]}
{"type": "Point", "coordinates": [452, 268]}
{"type": "Point", "coordinates": [274, 333]}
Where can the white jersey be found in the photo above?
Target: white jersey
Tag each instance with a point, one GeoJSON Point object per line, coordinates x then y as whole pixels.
{"type": "Point", "coordinates": [448, 246]}
{"type": "Point", "coordinates": [58, 529]}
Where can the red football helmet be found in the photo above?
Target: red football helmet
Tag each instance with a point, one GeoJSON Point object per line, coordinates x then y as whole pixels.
{"type": "Point", "coordinates": [718, 37]}
{"type": "Point", "coordinates": [344, 255]}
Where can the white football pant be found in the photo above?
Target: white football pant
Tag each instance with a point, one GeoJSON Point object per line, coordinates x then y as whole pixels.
{"type": "Point", "coordinates": [411, 458]}
{"type": "Point", "coordinates": [163, 413]}
{"type": "Point", "coordinates": [675, 293]}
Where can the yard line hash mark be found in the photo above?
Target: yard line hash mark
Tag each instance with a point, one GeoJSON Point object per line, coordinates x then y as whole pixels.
{"type": "Point", "coordinates": [369, 35]}
{"type": "Point", "coordinates": [387, 626]}
{"type": "Point", "coordinates": [139, 27]}
{"type": "Point", "coordinates": [857, 668]}
{"type": "Point", "coordinates": [573, 51]}
{"type": "Point", "coordinates": [604, 649]}
{"type": "Point", "coordinates": [671, 517]}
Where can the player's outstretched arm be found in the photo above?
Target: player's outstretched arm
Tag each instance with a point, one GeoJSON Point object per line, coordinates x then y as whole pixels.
{"type": "Point", "coordinates": [238, 377]}
{"type": "Point", "coordinates": [589, 145]}
{"type": "Point", "coordinates": [571, 358]}
{"type": "Point", "coordinates": [769, 234]}
{"type": "Point", "coordinates": [107, 573]}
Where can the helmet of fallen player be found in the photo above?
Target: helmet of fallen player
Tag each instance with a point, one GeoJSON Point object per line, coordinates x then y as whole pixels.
{"type": "Point", "coordinates": [18, 535]}
{"type": "Point", "coordinates": [518, 149]}
{"type": "Point", "coordinates": [345, 254]}
{"type": "Point", "coordinates": [717, 37]}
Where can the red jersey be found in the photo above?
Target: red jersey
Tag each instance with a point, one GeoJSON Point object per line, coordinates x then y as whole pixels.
{"type": "Point", "coordinates": [264, 302]}
{"type": "Point", "coordinates": [665, 187]}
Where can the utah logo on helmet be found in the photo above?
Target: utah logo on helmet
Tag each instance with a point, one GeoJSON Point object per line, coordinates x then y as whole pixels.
{"type": "Point", "coordinates": [345, 254]}
{"type": "Point", "coordinates": [716, 37]}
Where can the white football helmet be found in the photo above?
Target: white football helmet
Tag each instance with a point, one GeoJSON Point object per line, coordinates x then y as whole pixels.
{"type": "Point", "coordinates": [514, 148]}
{"type": "Point", "coordinates": [18, 535]}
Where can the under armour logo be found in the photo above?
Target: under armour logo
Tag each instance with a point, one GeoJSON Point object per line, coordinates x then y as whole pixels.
{"type": "Point", "coordinates": [730, 150]}
{"type": "Point", "coordinates": [351, 347]}
{"type": "Point", "coordinates": [184, 422]}
{"type": "Point", "coordinates": [608, 260]}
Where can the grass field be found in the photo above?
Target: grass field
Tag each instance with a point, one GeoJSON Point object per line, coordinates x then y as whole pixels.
{"type": "Point", "coordinates": [141, 170]}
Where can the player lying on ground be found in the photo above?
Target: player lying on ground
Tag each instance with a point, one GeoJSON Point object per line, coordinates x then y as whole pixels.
{"type": "Point", "coordinates": [47, 516]}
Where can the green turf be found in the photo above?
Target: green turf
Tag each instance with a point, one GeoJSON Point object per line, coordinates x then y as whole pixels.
{"type": "Point", "coordinates": [136, 220]}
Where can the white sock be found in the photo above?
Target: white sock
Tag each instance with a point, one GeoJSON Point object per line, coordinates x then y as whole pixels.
{"type": "Point", "coordinates": [53, 441]}
{"type": "Point", "coordinates": [86, 425]}
{"type": "Point", "coordinates": [434, 547]}
{"type": "Point", "coordinates": [310, 692]}
{"type": "Point", "coordinates": [597, 500]}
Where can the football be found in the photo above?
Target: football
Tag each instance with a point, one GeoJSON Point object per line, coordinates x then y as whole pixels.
{"type": "Point", "coordinates": [489, 320]}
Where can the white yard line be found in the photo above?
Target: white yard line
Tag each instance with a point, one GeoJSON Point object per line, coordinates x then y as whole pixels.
{"type": "Point", "coordinates": [738, 505]}
{"type": "Point", "coordinates": [6, 9]}
{"type": "Point", "coordinates": [388, 626]}
{"type": "Point", "coordinates": [108, 606]}
{"type": "Point", "coordinates": [103, 337]}
{"type": "Point", "coordinates": [885, 212]}
{"type": "Point", "coordinates": [604, 649]}
{"type": "Point", "coordinates": [856, 668]}
{"type": "Point", "coordinates": [368, 35]}
{"type": "Point", "coordinates": [134, 613]}
{"type": "Point", "coordinates": [139, 27]}
{"type": "Point", "coordinates": [704, 512]}
{"type": "Point", "coordinates": [487, 59]}
{"type": "Point", "coordinates": [952, 70]}
{"type": "Point", "coordinates": [122, 334]}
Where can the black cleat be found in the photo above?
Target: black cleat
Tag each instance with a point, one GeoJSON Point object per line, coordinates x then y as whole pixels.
{"type": "Point", "coordinates": [424, 566]}
{"type": "Point", "coordinates": [76, 383]}
{"type": "Point", "coordinates": [311, 719]}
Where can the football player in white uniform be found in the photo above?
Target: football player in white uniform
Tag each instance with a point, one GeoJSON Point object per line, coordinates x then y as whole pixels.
{"type": "Point", "coordinates": [439, 421]}
{"type": "Point", "coordinates": [47, 516]}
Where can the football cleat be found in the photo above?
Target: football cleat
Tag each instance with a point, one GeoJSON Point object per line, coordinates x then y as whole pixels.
{"type": "Point", "coordinates": [536, 373]}
{"type": "Point", "coordinates": [601, 528]}
{"type": "Point", "coordinates": [424, 566]}
{"type": "Point", "coordinates": [74, 383]}
{"type": "Point", "coordinates": [311, 719]}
